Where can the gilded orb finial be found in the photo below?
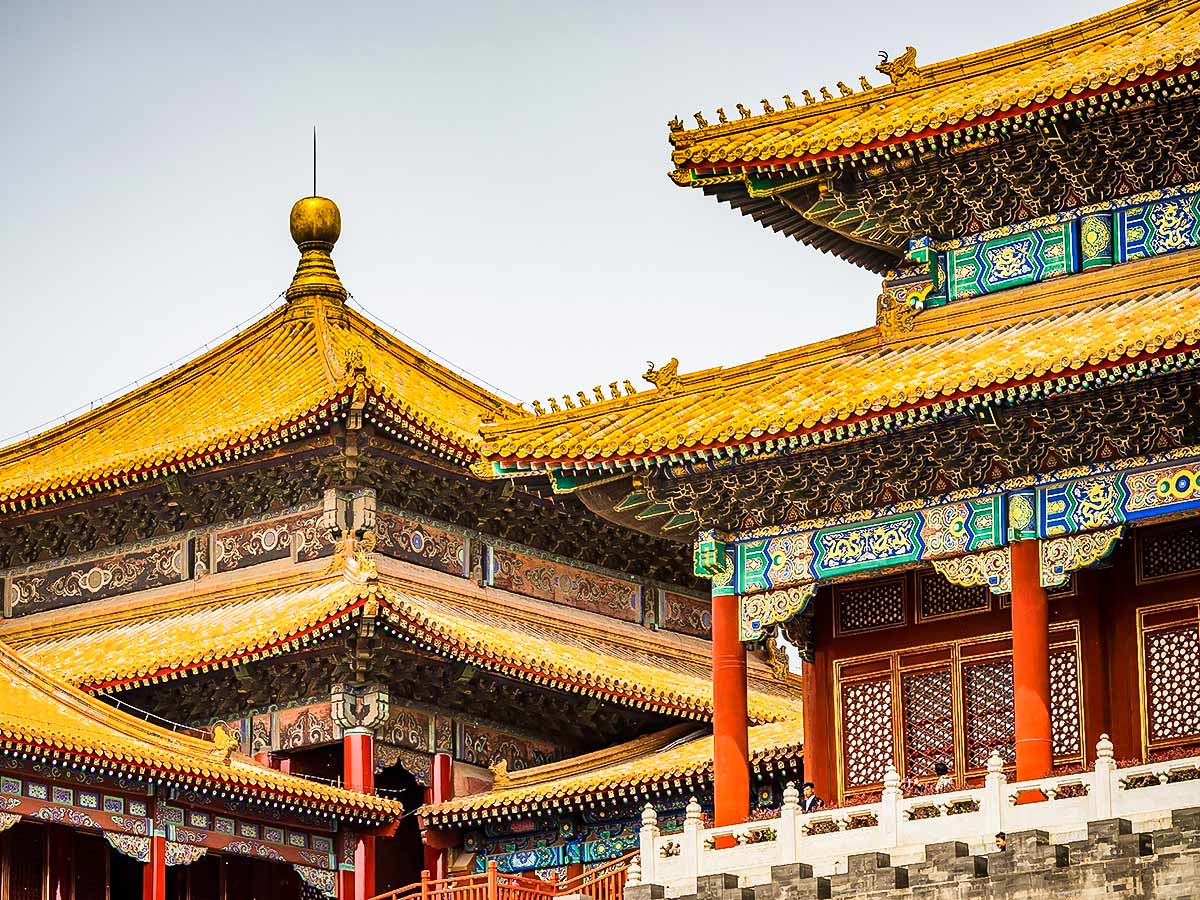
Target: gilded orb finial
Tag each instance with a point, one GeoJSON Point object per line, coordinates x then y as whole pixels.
{"type": "Point", "coordinates": [316, 220]}
{"type": "Point", "coordinates": [315, 224]}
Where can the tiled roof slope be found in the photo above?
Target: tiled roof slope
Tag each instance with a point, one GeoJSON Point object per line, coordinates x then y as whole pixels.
{"type": "Point", "coordinates": [1026, 335]}
{"type": "Point", "coordinates": [40, 713]}
{"type": "Point", "coordinates": [629, 770]}
{"type": "Point", "coordinates": [109, 644]}
{"type": "Point", "coordinates": [1129, 44]}
{"type": "Point", "coordinates": [270, 384]}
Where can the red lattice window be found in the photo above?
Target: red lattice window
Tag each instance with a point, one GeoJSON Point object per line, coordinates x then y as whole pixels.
{"type": "Point", "coordinates": [1173, 683]}
{"type": "Point", "coordinates": [873, 606]}
{"type": "Point", "coordinates": [867, 730]}
{"type": "Point", "coordinates": [988, 706]}
{"type": "Point", "coordinates": [1064, 702]}
{"type": "Point", "coordinates": [940, 598]}
{"type": "Point", "coordinates": [928, 721]}
{"type": "Point", "coordinates": [1168, 553]}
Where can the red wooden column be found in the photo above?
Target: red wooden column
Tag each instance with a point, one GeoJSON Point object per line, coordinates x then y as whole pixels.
{"type": "Point", "coordinates": [359, 709]}
{"type": "Point", "coordinates": [154, 875]}
{"type": "Point", "coordinates": [358, 750]}
{"type": "Point", "coordinates": [441, 789]}
{"type": "Point", "coordinates": [1031, 662]}
{"type": "Point", "coordinates": [731, 750]}
{"type": "Point", "coordinates": [818, 745]}
{"type": "Point", "coordinates": [59, 853]}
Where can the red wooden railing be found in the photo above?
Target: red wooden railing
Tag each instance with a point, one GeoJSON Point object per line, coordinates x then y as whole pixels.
{"type": "Point", "coordinates": [606, 882]}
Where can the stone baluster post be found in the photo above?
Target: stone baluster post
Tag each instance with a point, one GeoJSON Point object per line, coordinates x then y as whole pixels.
{"type": "Point", "coordinates": [889, 812]}
{"type": "Point", "coordinates": [789, 826]}
{"type": "Point", "coordinates": [1102, 779]}
{"type": "Point", "coordinates": [647, 846]}
{"type": "Point", "coordinates": [634, 876]}
{"type": "Point", "coordinates": [995, 786]}
{"type": "Point", "coordinates": [692, 845]}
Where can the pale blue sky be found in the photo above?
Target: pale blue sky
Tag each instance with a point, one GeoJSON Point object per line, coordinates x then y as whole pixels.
{"type": "Point", "coordinates": [501, 170]}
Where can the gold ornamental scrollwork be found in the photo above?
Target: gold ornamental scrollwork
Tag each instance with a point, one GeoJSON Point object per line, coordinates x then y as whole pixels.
{"type": "Point", "coordinates": [130, 845]}
{"type": "Point", "coordinates": [8, 820]}
{"type": "Point", "coordinates": [1063, 555]}
{"type": "Point", "coordinates": [757, 612]}
{"type": "Point", "coordinates": [991, 568]}
{"type": "Point", "coordinates": [176, 854]}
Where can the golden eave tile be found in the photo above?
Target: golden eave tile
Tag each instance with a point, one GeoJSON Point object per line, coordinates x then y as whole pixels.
{"type": "Point", "coordinates": [642, 763]}
{"type": "Point", "coordinates": [41, 713]}
{"type": "Point", "coordinates": [138, 642]}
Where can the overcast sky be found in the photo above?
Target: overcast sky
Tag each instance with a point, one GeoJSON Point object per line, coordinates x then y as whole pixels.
{"type": "Point", "coordinates": [501, 171]}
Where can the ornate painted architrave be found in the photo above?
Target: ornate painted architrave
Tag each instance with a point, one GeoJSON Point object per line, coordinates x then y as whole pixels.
{"type": "Point", "coordinates": [131, 845]}
{"type": "Point", "coordinates": [1086, 506]}
{"type": "Point", "coordinates": [8, 820]}
{"type": "Point", "coordinates": [253, 839]}
{"type": "Point", "coordinates": [1102, 234]}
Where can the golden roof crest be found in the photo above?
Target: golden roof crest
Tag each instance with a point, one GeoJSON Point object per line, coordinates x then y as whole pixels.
{"type": "Point", "coordinates": [902, 70]}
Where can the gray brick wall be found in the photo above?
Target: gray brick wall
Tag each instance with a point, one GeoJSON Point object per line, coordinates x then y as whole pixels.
{"type": "Point", "coordinates": [1111, 862]}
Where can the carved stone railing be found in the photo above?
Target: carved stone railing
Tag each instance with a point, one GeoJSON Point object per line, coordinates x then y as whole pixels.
{"type": "Point", "coordinates": [1061, 804]}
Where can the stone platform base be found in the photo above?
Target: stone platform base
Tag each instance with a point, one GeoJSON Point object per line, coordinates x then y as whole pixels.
{"type": "Point", "coordinates": [1112, 861]}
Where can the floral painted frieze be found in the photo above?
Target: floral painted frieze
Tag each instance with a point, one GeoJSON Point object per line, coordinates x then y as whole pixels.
{"type": "Point", "coordinates": [97, 579]}
{"type": "Point", "coordinates": [545, 579]}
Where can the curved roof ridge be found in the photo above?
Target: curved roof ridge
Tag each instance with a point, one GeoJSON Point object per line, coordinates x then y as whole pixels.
{"type": "Point", "coordinates": [630, 777]}
{"type": "Point", "coordinates": [38, 442]}
{"type": "Point", "coordinates": [599, 759]}
{"type": "Point", "coordinates": [1034, 332]}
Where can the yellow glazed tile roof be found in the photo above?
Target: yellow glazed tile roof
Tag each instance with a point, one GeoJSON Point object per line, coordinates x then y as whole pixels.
{"type": "Point", "coordinates": [1136, 42]}
{"type": "Point", "coordinates": [276, 381]}
{"type": "Point", "coordinates": [107, 645]}
{"type": "Point", "coordinates": [1029, 334]}
{"type": "Point", "coordinates": [627, 770]}
{"type": "Point", "coordinates": [39, 712]}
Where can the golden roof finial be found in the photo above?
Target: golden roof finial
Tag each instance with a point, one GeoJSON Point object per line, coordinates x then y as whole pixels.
{"type": "Point", "coordinates": [316, 225]}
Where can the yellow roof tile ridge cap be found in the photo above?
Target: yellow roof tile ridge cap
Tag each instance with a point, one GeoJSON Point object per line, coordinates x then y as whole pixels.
{"type": "Point", "coordinates": [39, 442]}
{"type": "Point", "coordinates": [690, 383]}
{"type": "Point", "coordinates": [91, 709]}
{"type": "Point", "coordinates": [1056, 40]}
{"type": "Point", "coordinates": [334, 368]}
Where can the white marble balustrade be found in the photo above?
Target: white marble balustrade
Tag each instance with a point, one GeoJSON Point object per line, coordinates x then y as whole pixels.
{"type": "Point", "coordinates": [902, 826]}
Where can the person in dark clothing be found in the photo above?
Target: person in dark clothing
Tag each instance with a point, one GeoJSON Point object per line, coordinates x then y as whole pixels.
{"type": "Point", "coordinates": [809, 801]}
